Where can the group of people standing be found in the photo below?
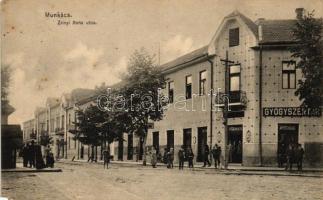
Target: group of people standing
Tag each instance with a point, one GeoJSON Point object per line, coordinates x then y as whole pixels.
{"type": "Point", "coordinates": [291, 154]}
{"type": "Point", "coordinates": [185, 154]}
{"type": "Point", "coordinates": [32, 156]}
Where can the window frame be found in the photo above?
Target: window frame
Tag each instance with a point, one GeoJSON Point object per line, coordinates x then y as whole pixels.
{"type": "Point", "coordinates": [288, 72]}
{"type": "Point", "coordinates": [230, 36]}
{"type": "Point", "coordinates": [171, 100]}
{"type": "Point", "coordinates": [235, 75]}
{"type": "Point", "coordinates": [186, 85]}
{"type": "Point", "coordinates": [202, 81]}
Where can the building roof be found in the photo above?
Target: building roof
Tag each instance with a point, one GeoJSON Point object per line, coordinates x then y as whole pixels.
{"type": "Point", "coordinates": [277, 31]}
{"type": "Point", "coordinates": [194, 55]}
{"type": "Point", "coordinates": [250, 24]}
{"type": "Point", "coordinates": [273, 32]}
{"type": "Point", "coordinates": [81, 93]}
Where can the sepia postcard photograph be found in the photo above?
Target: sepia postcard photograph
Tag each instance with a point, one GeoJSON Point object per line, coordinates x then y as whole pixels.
{"type": "Point", "coordinates": [161, 99]}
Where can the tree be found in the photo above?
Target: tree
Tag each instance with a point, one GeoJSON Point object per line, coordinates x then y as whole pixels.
{"type": "Point", "coordinates": [309, 48]}
{"type": "Point", "coordinates": [5, 81]}
{"type": "Point", "coordinates": [143, 100]}
{"type": "Point", "coordinates": [96, 127]}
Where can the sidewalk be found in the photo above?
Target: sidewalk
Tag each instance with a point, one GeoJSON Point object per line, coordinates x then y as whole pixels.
{"type": "Point", "coordinates": [20, 168]}
{"type": "Point", "coordinates": [233, 169]}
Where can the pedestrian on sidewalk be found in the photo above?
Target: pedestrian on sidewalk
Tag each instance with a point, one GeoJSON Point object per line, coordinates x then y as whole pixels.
{"type": "Point", "coordinates": [153, 157]}
{"type": "Point", "coordinates": [299, 157]}
{"type": "Point", "coordinates": [51, 159]}
{"type": "Point", "coordinates": [106, 158]}
{"type": "Point", "coordinates": [39, 164]}
{"type": "Point", "coordinates": [165, 160]}
{"type": "Point", "coordinates": [190, 157]}
{"type": "Point", "coordinates": [24, 154]}
{"type": "Point", "coordinates": [31, 154]}
{"type": "Point", "coordinates": [216, 152]}
{"type": "Point", "coordinates": [47, 152]}
{"type": "Point", "coordinates": [170, 158]}
{"type": "Point", "coordinates": [206, 155]}
{"type": "Point", "coordinates": [181, 157]}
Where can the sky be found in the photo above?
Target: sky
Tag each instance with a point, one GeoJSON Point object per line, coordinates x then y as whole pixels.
{"type": "Point", "coordinates": [48, 59]}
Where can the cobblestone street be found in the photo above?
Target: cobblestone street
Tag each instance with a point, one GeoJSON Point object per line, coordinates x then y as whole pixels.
{"type": "Point", "coordinates": [91, 181]}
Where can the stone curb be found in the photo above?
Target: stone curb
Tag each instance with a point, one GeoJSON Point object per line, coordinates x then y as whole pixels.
{"type": "Point", "coordinates": [29, 170]}
{"type": "Point", "coordinates": [246, 171]}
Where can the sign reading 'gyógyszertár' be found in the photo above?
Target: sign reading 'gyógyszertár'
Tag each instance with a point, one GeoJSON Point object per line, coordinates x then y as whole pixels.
{"type": "Point", "coordinates": [291, 112]}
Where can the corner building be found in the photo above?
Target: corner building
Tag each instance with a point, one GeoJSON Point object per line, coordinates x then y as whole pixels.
{"type": "Point", "coordinates": [265, 115]}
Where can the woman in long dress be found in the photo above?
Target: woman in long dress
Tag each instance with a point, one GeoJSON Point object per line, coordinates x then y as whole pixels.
{"type": "Point", "coordinates": [153, 157]}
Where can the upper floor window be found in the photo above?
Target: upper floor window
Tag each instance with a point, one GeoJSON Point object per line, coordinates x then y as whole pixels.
{"type": "Point", "coordinates": [171, 92]}
{"type": "Point", "coordinates": [234, 78]}
{"type": "Point", "coordinates": [188, 87]}
{"type": "Point", "coordinates": [289, 74]}
{"type": "Point", "coordinates": [69, 119]}
{"type": "Point", "coordinates": [202, 82]}
{"type": "Point", "coordinates": [233, 37]}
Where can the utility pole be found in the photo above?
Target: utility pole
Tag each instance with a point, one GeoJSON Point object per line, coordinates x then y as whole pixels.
{"type": "Point", "coordinates": [226, 63]}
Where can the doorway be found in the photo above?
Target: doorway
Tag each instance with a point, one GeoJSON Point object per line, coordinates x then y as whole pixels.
{"type": "Point", "coordinates": [141, 148]}
{"type": "Point", "coordinates": [287, 134]}
{"type": "Point", "coordinates": [130, 146]}
{"type": "Point", "coordinates": [170, 139]}
{"type": "Point", "coordinates": [187, 138]}
{"type": "Point", "coordinates": [156, 140]}
{"type": "Point", "coordinates": [201, 142]}
{"type": "Point", "coordinates": [120, 149]}
{"type": "Point", "coordinates": [235, 142]}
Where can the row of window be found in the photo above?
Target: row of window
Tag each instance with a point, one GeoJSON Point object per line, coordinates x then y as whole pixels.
{"type": "Point", "coordinates": [188, 86]}
{"type": "Point", "coordinates": [288, 80]}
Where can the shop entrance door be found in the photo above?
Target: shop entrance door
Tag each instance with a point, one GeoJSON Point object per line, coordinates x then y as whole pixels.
{"type": "Point", "coordinates": [120, 149]}
{"type": "Point", "coordinates": [201, 142]}
{"type": "Point", "coordinates": [235, 141]}
{"type": "Point", "coordinates": [130, 147]}
{"type": "Point", "coordinates": [287, 134]}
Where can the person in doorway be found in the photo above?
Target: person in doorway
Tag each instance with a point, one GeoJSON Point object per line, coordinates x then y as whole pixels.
{"type": "Point", "coordinates": [239, 151]}
{"type": "Point", "coordinates": [181, 157]}
{"type": "Point", "coordinates": [299, 157]}
{"type": "Point", "coordinates": [206, 155]}
{"type": "Point", "coordinates": [190, 157]}
{"type": "Point", "coordinates": [106, 158]}
{"type": "Point", "coordinates": [153, 157]}
{"type": "Point", "coordinates": [289, 157]}
{"type": "Point", "coordinates": [229, 154]}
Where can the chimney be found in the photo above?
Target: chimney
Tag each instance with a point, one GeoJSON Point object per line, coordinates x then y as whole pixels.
{"type": "Point", "coordinates": [299, 13]}
{"type": "Point", "coordinates": [259, 20]}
